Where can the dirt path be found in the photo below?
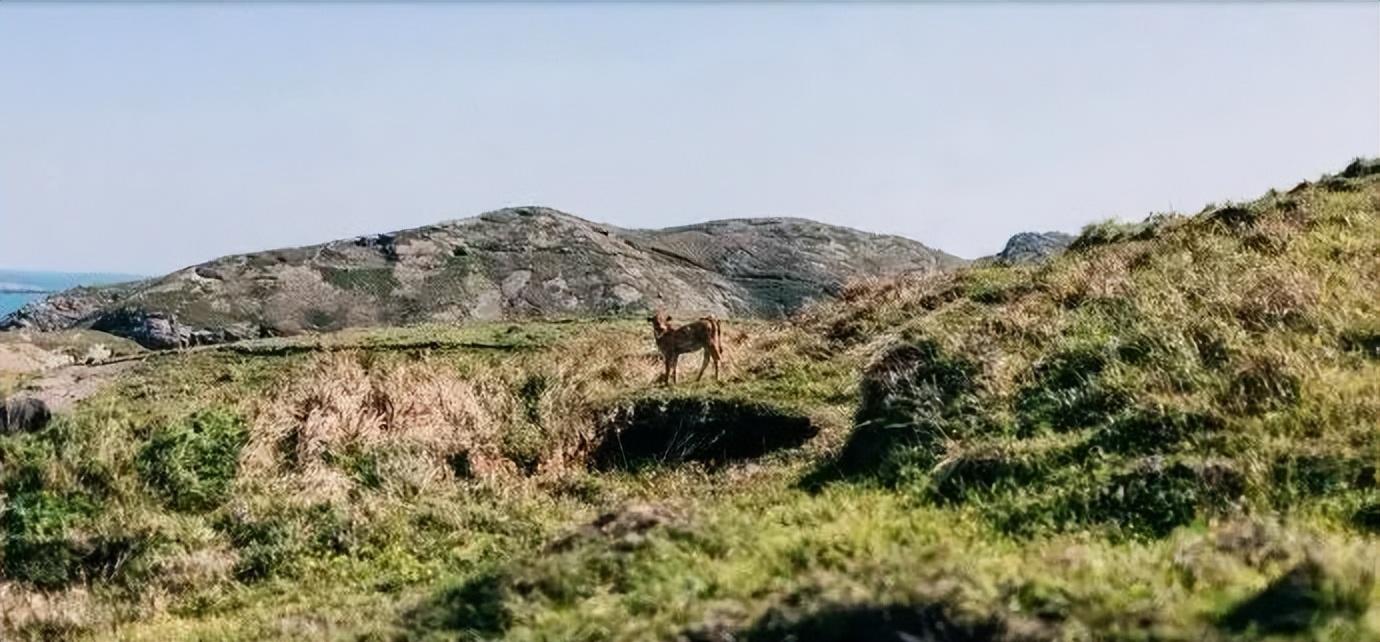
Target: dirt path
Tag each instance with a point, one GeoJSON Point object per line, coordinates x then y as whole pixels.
{"type": "Point", "coordinates": [23, 358]}
{"type": "Point", "coordinates": [63, 387]}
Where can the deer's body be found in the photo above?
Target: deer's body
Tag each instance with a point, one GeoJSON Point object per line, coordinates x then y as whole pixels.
{"type": "Point", "coordinates": [673, 341]}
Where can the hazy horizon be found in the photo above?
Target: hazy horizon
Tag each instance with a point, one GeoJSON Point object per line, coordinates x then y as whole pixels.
{"type": "Point", "coordinates": [145, 138]}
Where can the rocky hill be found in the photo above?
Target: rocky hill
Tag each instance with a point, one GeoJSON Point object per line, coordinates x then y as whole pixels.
{"type": "Point", "coordinates": [513, 263]}
{"type": "Point", "coordinates": [1032, 247]}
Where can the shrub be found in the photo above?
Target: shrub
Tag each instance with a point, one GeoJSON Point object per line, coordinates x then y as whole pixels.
{"type": "Point", "coordinates": [471, 610]}
{"type": "Point", "coordinates": [1304, 597]}
{"type": "Point", "coordinates": [1155, 496]}
{"type": "Point", "coordinates": [1234, 218]}
{"type": "Point", "coordinates": [1365, 341]}
{"type": "Point", "coordinates": [1147, 431]}
{"type": "Point", "coordinates": [1104, 232]}
{"type": "Point", "coordinates": [530, 393]}
{"type": "Point", "coordinates": [1069, 391]}
{"type": "Point", "coordinates": [1313, 474]}
{"type": "Point", "coordinates": [982, 471]}
{"type": "Point", "coordinates": [39, 546]}
{"type": "Point", "coordinates": [1261, 383]}
{"type": "Point", "coordinates": [268, 547]}
{"type": "Point", "coordinates": [1367, 517]}
{"type": "Point", "coordinates": [192, 463]}
{"type": "Point", "coordinates": [1362, 167]}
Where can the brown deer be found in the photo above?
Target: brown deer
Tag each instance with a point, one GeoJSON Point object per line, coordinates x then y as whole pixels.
{"type": "Point", "coordinates": [674, 341]}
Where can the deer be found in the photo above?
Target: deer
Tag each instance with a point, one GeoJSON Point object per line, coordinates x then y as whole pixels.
{"type": "Point", "coordinates": [672, 341]}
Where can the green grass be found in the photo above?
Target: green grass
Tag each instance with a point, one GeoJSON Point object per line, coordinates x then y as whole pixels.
{"type": "Point", "coordinates": [1168, 433]}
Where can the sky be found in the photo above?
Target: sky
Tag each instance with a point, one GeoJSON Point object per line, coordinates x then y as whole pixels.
{"type": "Point", "coordinates": [146, 137]}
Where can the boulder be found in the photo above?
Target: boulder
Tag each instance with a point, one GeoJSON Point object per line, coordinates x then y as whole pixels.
{"type": "Point", "coordinates": [23, 414]}
{"type": "Point", "coordinates": [1033, 247]}
{"type": "Point", "coordinates": [96, 354]}
{"type": "Point", "coordinates": [153, 330]}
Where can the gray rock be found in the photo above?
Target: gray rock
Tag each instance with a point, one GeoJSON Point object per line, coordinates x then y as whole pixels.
{"type": "Point", "coordinates": [96, 354]}
{"type": "Point", "coordinates": [1033, 247]}
{"type": "Point", "coordinates": [509, 264]}
{"type": "Point", "coordinates": [151, 329]}
{"type": "Point", "coordinates": [23, 414]}
{"type": "Point", "coordinates": [67, 309]}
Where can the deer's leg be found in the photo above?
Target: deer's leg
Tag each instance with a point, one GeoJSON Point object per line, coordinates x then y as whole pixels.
{"type": "Point", "coordinates": [704, 364]}
{"type": "Point", "coordinates": [673, 368]}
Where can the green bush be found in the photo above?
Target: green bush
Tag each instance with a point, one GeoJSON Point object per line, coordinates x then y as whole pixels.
{"type": "Point", "coordinates": [269, 547]}
{"type": "Point", "coordinates": [1148, 431]}
{"type": "Point", "coordinates": [1154, 496]}
{"type": "Point", "coordinates": [1069, 391]}
{"type": "Point", "coordinates": [471, 610]}
{"type": "Point", "coordinates": [38, 545]}
{"type": "Point", "coordinates": [1108, 231]}
{"type": "Point", "coordinates": [192, 463]}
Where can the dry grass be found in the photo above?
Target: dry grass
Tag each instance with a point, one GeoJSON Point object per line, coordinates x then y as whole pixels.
{"type": "Point", "coordinates": [53, 614]}
{"type": "Point", "coordinates": [339, 408]}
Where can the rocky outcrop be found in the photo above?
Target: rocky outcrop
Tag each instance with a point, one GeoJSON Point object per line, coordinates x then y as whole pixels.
{"type": "Point", "coordinates": [7, 287]}
{"type": "Point", "coordinates": [513, 263]}
{"type": "Point", "coordinates": [67, 309]}
{"type": "Point", "coordinates": [156, 330]}
{"type": "Point", "coordinates": [23, 414]}
{"type": "Point", "coordinates": [1032, 247]}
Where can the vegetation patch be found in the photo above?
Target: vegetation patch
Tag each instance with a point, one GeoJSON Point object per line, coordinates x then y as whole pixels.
{"type": "Point", "coordinates": [936, 621]}
{"type": "Point", "coordinates": [978, 472]}
{"type": "Point", "coordinates": [470, 611]}
{"type": "Point", "coordinates": [914, 398]}
{"type": "Point", "coordinates": [1301, 599]}
{"type": "Point", "coordinates": [40, 545]}
{"type": "Point", "coordinates": [378, 282]}
{"type": "Point", "coordinates": [1155, 496]}
{"type": "Point", "coordinates": [1364, 341]}
{"type": "Point", "coordinates": [1313, 473]}
{"type": "Point", "coordinates": [1144, 431]}
{"type": "Point", "coordinates": [192, 463]}
{"type": "Point", "coordinates": [1069, 391]}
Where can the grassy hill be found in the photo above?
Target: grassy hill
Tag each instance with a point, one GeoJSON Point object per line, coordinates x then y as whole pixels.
{"type": "Point", "coordinates": [1170, 432]}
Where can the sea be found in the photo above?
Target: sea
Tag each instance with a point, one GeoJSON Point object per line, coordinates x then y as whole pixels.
{"type": "Point", "coordinates": [50, 281]}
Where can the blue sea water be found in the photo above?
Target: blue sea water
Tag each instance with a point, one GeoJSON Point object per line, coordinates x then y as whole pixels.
{"type": "Point", "coordinates": [53, 281]}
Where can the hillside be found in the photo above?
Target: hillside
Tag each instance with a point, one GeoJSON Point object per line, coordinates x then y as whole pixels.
{"type": "Point", "coordinates": [513, 263]}
{"type": "Point", "coordinates": [1170, 431]}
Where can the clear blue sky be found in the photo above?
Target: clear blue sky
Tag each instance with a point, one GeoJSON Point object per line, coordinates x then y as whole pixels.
{"type": "Point", "coordinates": [146, 137]}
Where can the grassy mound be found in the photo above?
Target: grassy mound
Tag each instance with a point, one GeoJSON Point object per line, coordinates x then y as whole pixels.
{"type": "Point", "coordinates": [1156, 374]}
